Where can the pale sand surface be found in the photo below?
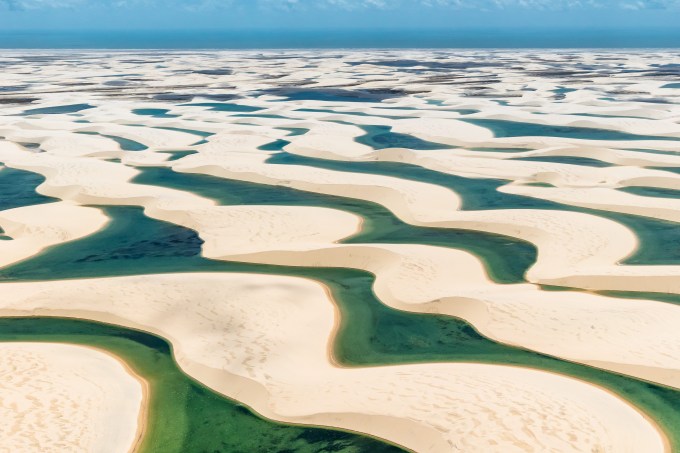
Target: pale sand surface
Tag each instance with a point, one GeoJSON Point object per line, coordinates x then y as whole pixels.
{"type": "Point", "coordinates": [570, 244]}
{"type": "Point", "coordinates": [482, 407]}
{"type": "Point", "coordinates": [58, 398]}
{"type": "Point", "coordinates": [34, 228]}
{"type": "Point", "coordinates": [420, 276]}
{"type": "Point", "coordinates": [264, 341]}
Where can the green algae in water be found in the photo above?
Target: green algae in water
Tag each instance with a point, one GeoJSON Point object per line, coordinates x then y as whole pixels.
{"type": "Point", "coordinates": [134, 244]}
{"type": "Point", "coordinates": [507, 258]}
{"type": "Point", "coordinates": [29, 145]}
{"type": "Point", "coordinates": [476, 193]}
{"type": "Point", "coordinates": [370, 333]}
{"type": "Point", "coordinates": [659, 239]}
{"type": "Point", "coordinates": [185, 416]}
{"type": "Point", "coordinates": [539, 184]}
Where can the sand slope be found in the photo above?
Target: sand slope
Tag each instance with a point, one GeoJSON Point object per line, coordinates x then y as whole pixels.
{"type": "Point", "coordinates": [57, 398]}
{"type": "Point", "coordinates": [264, 341]}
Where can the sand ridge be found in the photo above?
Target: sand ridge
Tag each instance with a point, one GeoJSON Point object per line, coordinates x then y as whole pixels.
{"type": "Point", "coordinates": [58, 397]}
{"type": "Point", "coordinates": [261, 353]}
{"type": "Point", "coordinates": [352, 106]}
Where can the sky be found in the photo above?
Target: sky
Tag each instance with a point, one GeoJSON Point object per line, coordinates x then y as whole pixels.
{"type": "Point", "coordinates": [296, 15]}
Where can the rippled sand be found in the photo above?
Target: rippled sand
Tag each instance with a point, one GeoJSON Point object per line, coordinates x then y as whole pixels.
{"type": "Point", "coordinates": [546, 149]}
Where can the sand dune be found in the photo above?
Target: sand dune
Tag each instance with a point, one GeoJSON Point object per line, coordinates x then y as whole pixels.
{"type": "Point", "coordinates": [421, 274]}
{"type": "Point", "coordinates": [34, 228]}
{"type": "Point", "coordinates": [264, 341]}
{"type": "Point", "coordinates": [57, 397]}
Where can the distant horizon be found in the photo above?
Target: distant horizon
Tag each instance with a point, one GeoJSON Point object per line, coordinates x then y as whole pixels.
{"type": "Point", "coordinates": [572, 37]}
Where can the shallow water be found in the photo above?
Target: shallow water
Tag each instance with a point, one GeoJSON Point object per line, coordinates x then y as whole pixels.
{"type": "Point", "coordinates": [224, 107]}
{"type": "Point", "coordinates": [507, 258]}
{"type": "Point", "coordinates": [276, 145]}
{"type": "Point", "coordinates": [657, 192]}
{"type": "Point", "coordinates": [125, 143]}
{"type": "Point", "coordinates": [176, 155]}
{"type": "Point", "coordinates": [571, 160]}
{"type": "Point", "coordinates": [381, 137]}
{"type": "Point", "coordinates": [333, 94]}
{"type": "Point", "coordinates": [336, 112]}
{"type": "Point", "coordinates": [185, 416]}
{"type": "Point", "coordinates": [17, 189]}
{"type": "Point", "coordinates": [659, 239]}
{"type": "Point", "coordinates": [505, 128]}
{"type": "Point", "coordinates": [202, 134]}
{"type": "Point", "coordinates": [370, 333]}
{"type": "Point", "coordinates": [156, 113]}
{"type": "Point", "coordinates": [59, 109]}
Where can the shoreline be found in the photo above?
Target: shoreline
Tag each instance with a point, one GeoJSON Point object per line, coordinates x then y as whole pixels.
{"type": "Point", "coordinates": [144, 412]}
{"type": "Point", "coordinates": [101, 417]}
{"type": "Point", "coordinates": [404, 297]}
{"type": "Point", "coordinates": [322, 422]}
{"type": "Point", "coordinates": [645, 415]}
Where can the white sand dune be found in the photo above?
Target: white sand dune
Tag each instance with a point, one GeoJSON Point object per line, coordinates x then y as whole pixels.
{"type": "Point", "coordinates": [440, 280]}
{"type": "Point", "coordinates": [264, 340]}
{"type": "Point", "coordinates": [58, 397]}
{"type": "Point", "coordinates": [268, 234]}
{"type": "Point", "coordinates": [34, 228]}
{"type": "Point", "coordinates": [565, 253]}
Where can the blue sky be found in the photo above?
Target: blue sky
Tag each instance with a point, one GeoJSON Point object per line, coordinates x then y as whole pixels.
{"type": "Point", "coordinates": [334, 14]}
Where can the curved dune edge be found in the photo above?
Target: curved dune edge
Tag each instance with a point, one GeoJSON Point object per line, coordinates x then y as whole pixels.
{"type": "Point", "coordinates": [70, 397]}
{"type": "Point", "coordinates": [608, 199]}
{"type": "Point", "coordinates": [269, 234]}
{"type": "Point", "coordinates": [34, 228]}
{"type": "Point", "coordinates": [571, 245]}
{"type": "Point", "coordinates": [262, 356]}
{"type": "Point", "coordinates": [633, 335]}
{"type": "Point", "coordinates": [563, 252]}
{"type": "Point", "coordinates": [420, 204]}
{"type": "Point", "coordinates": [534, 99]}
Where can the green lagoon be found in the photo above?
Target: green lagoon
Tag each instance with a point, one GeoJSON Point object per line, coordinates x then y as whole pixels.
{"type": "Point", "coordinates": [370, 333]}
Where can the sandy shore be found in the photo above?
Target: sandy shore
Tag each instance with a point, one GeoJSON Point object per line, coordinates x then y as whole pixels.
{"type": "Point", "coordinates": [58, 397]}
{"type": "Point", "coordinates": [34, 228]}
{"type": "Point", "coordinates": [264, 340]}
{"type": "Point", "coordinates": [574, 250]}
{"type": "Point", "coordinates": [257, 339]}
